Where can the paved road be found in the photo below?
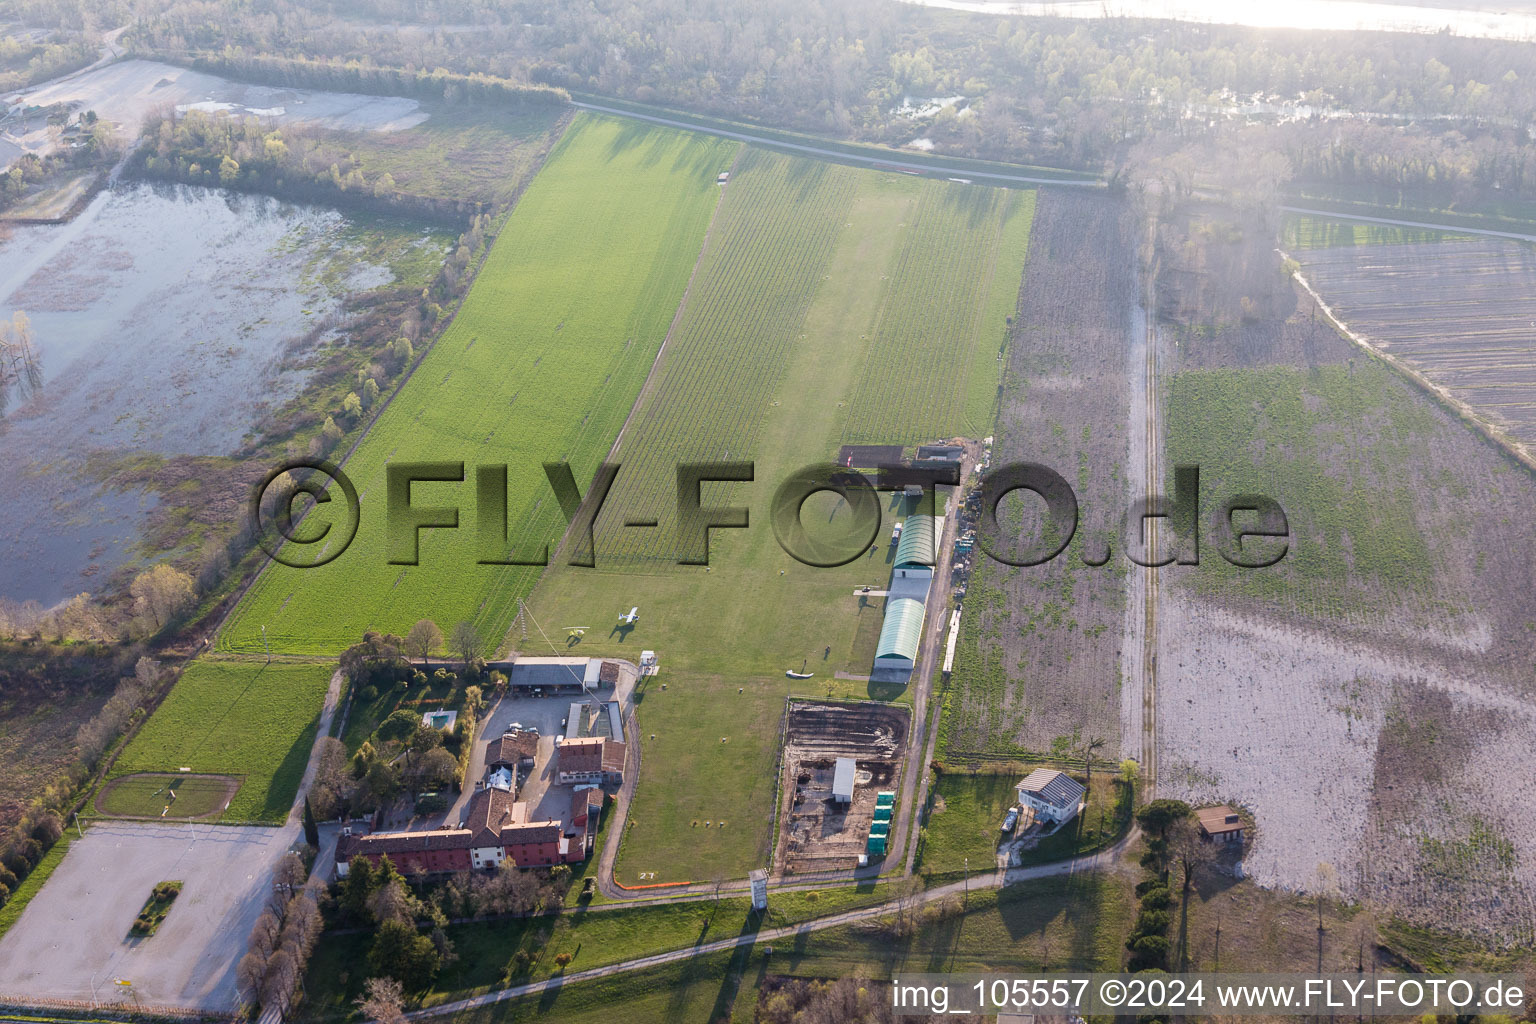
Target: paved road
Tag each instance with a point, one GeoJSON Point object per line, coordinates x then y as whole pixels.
{"type": "Point", "coordinates": [1422, 225]}
{"type": "Point", "coordinates": [894, 159]}
{"type": "Point", "coordinates": [1102, 861]}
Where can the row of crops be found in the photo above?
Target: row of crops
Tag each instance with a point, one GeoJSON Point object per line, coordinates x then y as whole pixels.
{"type": "Point", "coordinates": [542, 362]}
{"type": "Point", "coordinates": [936, 355]}
{"type": "Point", "coordinates": [768, 250]}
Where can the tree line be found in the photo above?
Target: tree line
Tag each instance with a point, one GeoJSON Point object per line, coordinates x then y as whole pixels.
{"type": "Point", "coordinates": [219, 149]}
{"type": "Point", "coordinates": [1059, 91]}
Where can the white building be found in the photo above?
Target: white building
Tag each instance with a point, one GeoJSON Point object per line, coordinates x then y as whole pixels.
{"type": "Point", "coordinates": [1054, 796]}
{"type": "Point", "coordinates": [759, 879]}
{"type": "Point", "coordinates": [842, 780]}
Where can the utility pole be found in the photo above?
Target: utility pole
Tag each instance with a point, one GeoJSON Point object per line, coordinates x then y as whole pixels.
{"type": "Point", "coordinates": [265, 644]}
{"type": "Point", "coordinates": [965, 901]}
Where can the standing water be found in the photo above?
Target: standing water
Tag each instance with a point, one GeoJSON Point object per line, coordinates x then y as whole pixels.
{"type": "Point", "coordinates": [161, 316]}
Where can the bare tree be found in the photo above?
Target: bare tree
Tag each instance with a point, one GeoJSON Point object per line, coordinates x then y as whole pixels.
{"type": "Point", "coordinates": [1190, 848]}
{"type": "Point", "coordinates": [382, 1001]}
{"type": "Point", "coordinates": [249, 974]}
{"type": "Point", "coordinates": [264, 934]}
{"type": "Point", "coordinates": [287, 878]}
{"type": "Point", "coordinates": [423, 639]}
{"type": "Point", "coordinates": [278, 985]}
{"type": "Point", "coordinates": [466, 642]}
{"type": "Point", "coordinates": [20, 370]}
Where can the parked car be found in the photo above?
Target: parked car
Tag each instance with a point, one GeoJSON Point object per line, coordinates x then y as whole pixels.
{"type": "Point", "coordinates": [1010, 819]}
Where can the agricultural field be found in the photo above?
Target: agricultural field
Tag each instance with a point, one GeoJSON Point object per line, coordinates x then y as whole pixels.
{"type": "Point", "coordinates": [776, 338]}
{"type": "Point", "coordinates": [943, 327]}
{"type": "Point", "coordinates": [245, 719]}
{"type": "Point", "coordinates": [1457, 311]}
{"type": "Point", "coordinates": [542, 362]}
{"type": "Point", "coordinates": [1360, 697]}
{"type": "Point", "coordinates": [1038, 665]}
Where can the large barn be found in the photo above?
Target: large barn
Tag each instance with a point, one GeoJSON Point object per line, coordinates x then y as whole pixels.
{"type": "Point", "coordinates": [901, 633]}
{"type": "Point", "coordinates": [900, 637]}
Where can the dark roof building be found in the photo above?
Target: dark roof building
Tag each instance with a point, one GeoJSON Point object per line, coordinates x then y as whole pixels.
{"type": "Point", "coordinates": [512, 750]}
{"type": "Point", "coordinates": [590, 759]}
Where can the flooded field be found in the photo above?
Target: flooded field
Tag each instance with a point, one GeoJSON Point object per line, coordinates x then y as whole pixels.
{"type": "Point", "coordinates": [162, 316]}
{"type": "Point", "coordinates": [127, 92]}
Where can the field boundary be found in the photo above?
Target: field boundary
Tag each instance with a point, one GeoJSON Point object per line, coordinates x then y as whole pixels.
{"type": "Point", "coordinates": [557, 132]}
{"type": "Point", "coordinates": [1462, 410]}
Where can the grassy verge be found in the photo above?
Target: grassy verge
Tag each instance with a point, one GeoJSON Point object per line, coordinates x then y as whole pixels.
{"type": "Point", "coordinates": [30, 886]}
{"type": "Point", "coordinates": [249, 720]}
{"type": "Point", "coordinates": [485, 950]}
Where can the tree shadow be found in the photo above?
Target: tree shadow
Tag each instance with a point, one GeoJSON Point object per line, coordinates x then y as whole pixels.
{"type": "Point", "coordinates": [736, 968]}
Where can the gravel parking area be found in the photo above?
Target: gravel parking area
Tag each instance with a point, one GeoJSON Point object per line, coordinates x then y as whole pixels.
{"type": "Point", "coordinates": [72, 942]}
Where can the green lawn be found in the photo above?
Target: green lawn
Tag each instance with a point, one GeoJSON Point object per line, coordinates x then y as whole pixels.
{"type": "Point", "coordinates": [806, 265]}
{"type": "Point", "coordinates": [541, 363]}
{"type": "Point", "coordinates": [969, 809]}
{"type": "Point", "coordinates": [250, 720]}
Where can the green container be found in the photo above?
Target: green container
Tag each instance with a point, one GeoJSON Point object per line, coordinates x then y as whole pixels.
{"type": "Point", "coordinates": [882, 814]}
{"type": "Point", "coordinates": [876, 846]}
{"type": "Point", "coordinates": [880, 828]}
{"type": "Point", "coordinates": [885, 798]}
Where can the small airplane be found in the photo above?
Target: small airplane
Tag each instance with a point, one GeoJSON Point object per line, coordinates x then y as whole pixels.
{"type": "Point", "coordinates": [632, 618]}
{"type": "Point", "coordinates": [575, 632]}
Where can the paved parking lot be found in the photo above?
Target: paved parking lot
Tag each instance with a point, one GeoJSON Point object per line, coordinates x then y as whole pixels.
{"type": "Point", "coordinates": [72, 942]}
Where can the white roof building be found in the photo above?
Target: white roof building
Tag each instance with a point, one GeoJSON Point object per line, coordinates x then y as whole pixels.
{"type": "Point", "coordinates": [842, 780]}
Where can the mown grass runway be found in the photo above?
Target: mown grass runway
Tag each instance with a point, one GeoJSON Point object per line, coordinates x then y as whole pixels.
{"type": "Point", "coordinates": [542, 363]}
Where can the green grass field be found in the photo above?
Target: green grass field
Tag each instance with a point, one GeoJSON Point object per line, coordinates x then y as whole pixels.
{"type": "Point", "coordinates": [156, 795]}
{"type": "Point", "coordinates": [943, 324]}
{"type": "Point", "coordinates": [250, 720]}
{"type": "Point", "coordinates": [777, 338]}
{"type": "Point", "coordinates": [541, 363]}
{"type": "Point", "coordinates": [1329, 444]}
